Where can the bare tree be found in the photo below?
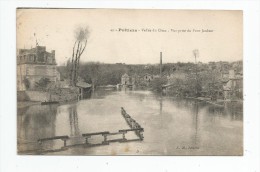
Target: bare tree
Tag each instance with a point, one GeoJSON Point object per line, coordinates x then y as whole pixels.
{"type": "Point", "coordinates": [81, 39]}
{"type": "Point", "coordinates": [196, 54]}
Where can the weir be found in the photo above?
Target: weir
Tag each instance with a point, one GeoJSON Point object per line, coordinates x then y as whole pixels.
{"type": "Point", "coordinates": [132, 124]}
{"type": "Point", "coordinates": [134, 127]}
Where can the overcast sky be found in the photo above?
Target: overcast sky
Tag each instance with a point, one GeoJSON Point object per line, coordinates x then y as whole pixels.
{"type": "Point", "coordinates": [55, 30]}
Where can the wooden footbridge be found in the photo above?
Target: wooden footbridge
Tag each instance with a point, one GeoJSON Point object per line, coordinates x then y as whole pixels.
{"type": "Point", "coordinates": [134, 127]}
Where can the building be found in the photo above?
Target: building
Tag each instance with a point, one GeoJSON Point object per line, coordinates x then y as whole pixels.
{"type": "Point", "coordinates": [125, 79]}
{"type": "Point", "coordinates": [33, 65]}
{"type": "Point", "coordinates": [148, 78]}
{"type": "Point", "coordinates": [233, 85]}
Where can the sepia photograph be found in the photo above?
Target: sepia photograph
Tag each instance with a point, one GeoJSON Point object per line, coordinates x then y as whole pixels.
{"type": "Point", "coordinates": [157, 82]}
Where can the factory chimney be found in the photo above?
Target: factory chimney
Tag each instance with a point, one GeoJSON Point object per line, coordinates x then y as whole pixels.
{"type": "Point", "coordinates": [160, 64]}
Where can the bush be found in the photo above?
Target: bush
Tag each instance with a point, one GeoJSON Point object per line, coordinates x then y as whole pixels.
{"type": "Point", "coordinates": [157, 83]}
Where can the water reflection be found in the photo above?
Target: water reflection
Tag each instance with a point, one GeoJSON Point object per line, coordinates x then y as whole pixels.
{"type": "Point", "coordinates": [35, 122]}
{"type": "Point", "coordinates": [231, 110]}
{"type": "Point", "coordinates": [168, 123]}
{"type": "Point", "coordinates": [196, 123]}
{"type": "Point", "coordinates": [74, 122]}
{"type": "Point", "coordinates": [161, 105]}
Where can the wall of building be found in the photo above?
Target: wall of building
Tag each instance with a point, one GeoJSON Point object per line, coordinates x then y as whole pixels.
{"type": "Point", "coordinates": [125, 80]}
{"type": "Point", "coordinates": [33, 73]}
{"type": "Point", "coordinates": [233, 88]}
{"type": "Point", "coordinates": [37, 55]}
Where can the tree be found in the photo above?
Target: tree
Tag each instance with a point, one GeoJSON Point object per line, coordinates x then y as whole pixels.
{"type": "Point", "coordinates": [81, 38]}
{"type": "Point", "coordinates": [157, 83]}
{"type": "Point", "coordinates": [91, 72]}
{"type": "Point", "coordinates": [94, 73]}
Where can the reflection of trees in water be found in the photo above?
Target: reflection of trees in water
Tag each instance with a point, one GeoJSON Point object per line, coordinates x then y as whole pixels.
{"type": "Point", "coordinates": [160, 111]}
{"type": "Point", "coordinates": [73, 120]}
{"type": "Point", "coordinates": [36, 122]}
{"type": "Point", "coordinates": [188, 104]}
{"type": "Point", "coordinates": [99, 93]}
{"type": "Point", "coordinates": [232, 110]}
{"type": "Point", "coordinates": [87, 94]}
{"type": "Point", "coordinates": [161, 105]}
{"type": "Point", "coordinates": [215, 113]}
{"type": "Point", "coordinates": [196, 123]}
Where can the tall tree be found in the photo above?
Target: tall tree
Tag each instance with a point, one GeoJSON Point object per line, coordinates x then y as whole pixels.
{"type": "Point", "coordinates": [81, 39]}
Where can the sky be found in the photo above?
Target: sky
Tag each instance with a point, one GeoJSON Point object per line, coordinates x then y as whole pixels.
{"type": "Point", "coordinates": [110, 42]}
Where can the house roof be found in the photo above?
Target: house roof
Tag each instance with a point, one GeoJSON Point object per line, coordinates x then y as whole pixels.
{"type": "Point", "coordinates": [125, 75]}
{"type": "Point", "coordinates": [83, 84]}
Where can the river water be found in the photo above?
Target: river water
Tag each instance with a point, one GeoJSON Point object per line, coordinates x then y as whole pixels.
{"type": "Point", "coordinates": [172, 126]}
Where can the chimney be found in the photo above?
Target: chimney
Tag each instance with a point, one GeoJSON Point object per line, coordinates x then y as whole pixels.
{"type": "Point", "coordinates": [160, 64]}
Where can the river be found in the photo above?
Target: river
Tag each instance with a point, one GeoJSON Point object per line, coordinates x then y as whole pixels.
{"type": "Point", "coordinates": [172, 126]}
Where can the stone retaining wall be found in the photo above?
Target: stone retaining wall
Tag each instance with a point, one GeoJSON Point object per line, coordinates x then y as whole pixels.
{"type": "Point", "coordinates": [64, 94]}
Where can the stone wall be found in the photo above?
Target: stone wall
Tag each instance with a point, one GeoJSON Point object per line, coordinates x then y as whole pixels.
{"type": "Point", "coordinates": [60, 95]}
{"type": "Point", "coordinates": [33, 73]}
{"type": "Point", "coordinates": [65, 94]}
{"type": "Point", "coordinates": [35, 96]}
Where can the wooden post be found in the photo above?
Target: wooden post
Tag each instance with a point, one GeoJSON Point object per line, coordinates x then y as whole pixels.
{"type": "Point", "coordinates": [65, 142]}
{"type": "Point", "coordinates": [132, 124]}
{"type": "Point", "coordinates": [86, 140]}
{"type": "Point", "coordinates": [141, 136]}
{"type": "Point", "coordinates": [105, 139]}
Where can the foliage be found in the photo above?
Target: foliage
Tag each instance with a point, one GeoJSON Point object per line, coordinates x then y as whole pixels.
{"type": "Point", "coordinates": [181, 76]}
{"type": "Point", "coordinates": [102, 74]}
{"type": "Point", "coordinates": [156, 83]}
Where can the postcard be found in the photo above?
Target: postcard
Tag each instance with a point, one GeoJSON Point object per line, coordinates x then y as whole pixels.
{"type": "Point", "coordinates": [129, 82]}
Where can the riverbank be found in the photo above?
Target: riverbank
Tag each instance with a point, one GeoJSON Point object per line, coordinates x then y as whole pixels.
{"type": "Point", "coordinates": [64, 94]}
{"type": "Point", "coordinates": [218, 102]}
{"type": "Point", "coordinates": [23, 104]}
